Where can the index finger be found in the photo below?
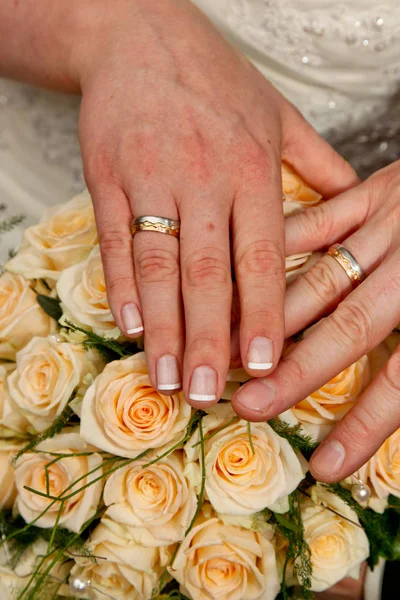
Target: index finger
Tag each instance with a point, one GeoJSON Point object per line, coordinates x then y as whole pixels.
{"type": "Point", "coordinates": [359, 324]}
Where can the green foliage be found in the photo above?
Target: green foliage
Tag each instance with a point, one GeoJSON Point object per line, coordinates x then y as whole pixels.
{"type": "Point", "coordinates": [51, 306]}
{"type": "Point", "coordinates": [9, 224]}
{"type": "Point", "coordinates": [383, 530]}
{"type": "Point", "coordinates": [299, 441]}
{"type": "Point", "coordinates": [61, 421]}
{"type": "Point", "coordinates": [109, 349]}
{"type": "Point", "coordinates": [298, 552]}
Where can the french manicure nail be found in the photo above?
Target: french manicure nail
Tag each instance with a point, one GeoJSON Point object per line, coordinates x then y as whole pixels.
{"type": "Point", "coordinates": [257, 395]}
{"type": "Point", "coordinates": [261, 354]}
{"type": "Point", "coordinates": [168, 377]}
{"type": "Point", "coordinates": [203, 385]}
{"type": "Point", "coordinates": [132, 319]}
{"type": "Point", "coordinates": [329, 458]}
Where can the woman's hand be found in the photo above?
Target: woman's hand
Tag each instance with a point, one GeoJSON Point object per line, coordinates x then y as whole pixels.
{"type": "Point", "coordinates": [367, 218]}
{"type": "Point", "coordinates": [176, 123]}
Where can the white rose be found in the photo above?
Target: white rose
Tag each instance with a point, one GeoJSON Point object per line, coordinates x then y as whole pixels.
{"type": "Point", "coordinates": [13, 581]}
{"type": "Point", "coordinates": [20, 315]}
{"type": "Point", "coordinates": [239, 482]}
{"type": "Point", "coordinates": [30, 472]}
{"type": "Point", "coordinates": [382, 473]}
{"type": "Point", "coordinates": [337, 543]}
{"type": "Point", "coordinates": [83, 294]}
{"type": "Point", "coordinates": [123, 414]}
{"type": "Point", "coordinates": [8, 490]}
{"type": "Point", "coordinates": [222, 561]}
{"type": "Point", "coordinates": [65, 235]}
{"type": "Point", "coordinates": [46, 375]}
{"type": "Point", "coordinates": [155, 501]}
{"type": "Point", "coordinates": [123, 569]}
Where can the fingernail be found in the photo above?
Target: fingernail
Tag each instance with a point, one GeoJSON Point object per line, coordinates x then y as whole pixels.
{"type": "Point", "coordinates": [203, 385]}
{"type": "Point", "coordinates": [132, 318]}
{"type": "Point", "coordinates": [168, 377]}
{"type": "Point", "coordinates": [329, 458]}
{"type": "Point", "coordinates": [257, 395]}
{"type": "Point", "coordinates": [261, 354]}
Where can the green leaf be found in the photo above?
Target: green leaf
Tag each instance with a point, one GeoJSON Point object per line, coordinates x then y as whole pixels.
{"type": "Point", "coordinates": [109, 349]}
{"type": "Point", "coordinates": [292, 433]}
{"type": "Point", "coordinates": [51, 306]}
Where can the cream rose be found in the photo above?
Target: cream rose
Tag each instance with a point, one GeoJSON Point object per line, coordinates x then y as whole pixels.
{"type": "Point", "coordinates": [13, 581]}
{"type": "Point", "coordinates": [123, 414]}
{"type": "Point", "coordinates": [382, 473]}
{"type": "Point", "coordinates": [155, 501]}
{"type": "Point", "coordinates": [239, 482]}
{"type": "Point", "coordinates": [46, 375]}
{"type": "Point", "coordinates": [8, 490]}
{"type": "Point", "coordinates": [320, 411]}
{"type": "Point", "coordinates": [297, 195]}
{"type": "Point", "coordinates": [20, 315]}
{"type": "Point", "coordinates": [65, 236]}
{"type": "Point", "coordinates": [12, 422]}
{"type": "Point", "coordinates": [30, 472]}
{"type": "Point", "coordinates": [337, 543]}
{"type": "Point", "coordinates": [123, 568]}
{"type": "Point", "coordinates": [83, 294]}
{"type": "Point", "coordinates": [222, 561]}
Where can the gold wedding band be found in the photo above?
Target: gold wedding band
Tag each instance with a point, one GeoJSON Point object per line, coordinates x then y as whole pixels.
{"type": "Point", "coordinates": [159, 224]}
{"type": "Point", "coordinates": [347, 261]}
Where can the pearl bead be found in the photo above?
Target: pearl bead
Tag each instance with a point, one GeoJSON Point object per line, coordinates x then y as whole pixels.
{"type": "Point", "coordinates": [78, 585]}
{"type": "Point", "coordinates": [360, 493]}
{"type": "Point", "coordinates": [304, 60]}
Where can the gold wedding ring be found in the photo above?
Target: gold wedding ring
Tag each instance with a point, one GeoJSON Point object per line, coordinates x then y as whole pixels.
{"type": "Point", "coordinates": [159, 224]}
{"type": "Point", "coordinates": [347, 261]}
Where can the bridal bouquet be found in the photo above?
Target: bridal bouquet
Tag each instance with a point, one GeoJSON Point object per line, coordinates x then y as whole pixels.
{"type": "Point", "coordinates": [111, 490]}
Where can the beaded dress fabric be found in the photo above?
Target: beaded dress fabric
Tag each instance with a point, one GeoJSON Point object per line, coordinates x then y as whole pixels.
{"type": "Point", "coordinates": [338, 62]}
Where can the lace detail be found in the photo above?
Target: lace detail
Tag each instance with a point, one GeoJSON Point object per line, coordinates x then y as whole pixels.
{"type": "Point", "coordinates": [339, 63]}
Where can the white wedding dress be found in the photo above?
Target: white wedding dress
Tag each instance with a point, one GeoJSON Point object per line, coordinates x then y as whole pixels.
{"type": "Point", "coordinates": [338, 62]}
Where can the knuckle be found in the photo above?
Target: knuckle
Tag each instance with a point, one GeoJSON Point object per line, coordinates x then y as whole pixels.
{"type": "Point", "coordinates": [292, 370]}
{"type": "Point", "coordinates": [117, 283]}
{"type": "Point", "coordinates": [207, 345]}
{"type": "Point", "coordinates": [261, 257]}
{"type": "Point", "coordinates": [352, 323]}
{"type": "Point", "coordinates": [99, 166]}
{"type": "Point", "coordinates": [157, 265]}
{"type": "Point", "coordinates": [207, 268]}
{"type": "Point", "coordinates": [114, 245]}
{"type": "Point", "coordinates": [392, 371]}
{"type": "Point", "coordinates": [317, 219]}
{"type": "Point", "coordinates": [321, 281]}
{"type": "Point", "coordinates": [358, 428]}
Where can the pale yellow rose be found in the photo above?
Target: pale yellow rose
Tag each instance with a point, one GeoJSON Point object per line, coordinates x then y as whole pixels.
{"type": "Point", "coordinates": [82, 291]}
{"type": "Point", "coordinates": [155, 501]}
{"type": "Point", "coordinates": [337, 543]}
{"type": "Point", "coordinates": [320, 411]}
{"type": "Point", "coordinates": [30, 472]}
{"type": "Point", "coordinates": [8, 490]}
{"type": "Point", "coordinates": [123, 414]}
{"type": "Point", "coordinates": [297, 195]}
{"type": "Point", "coordinates": [239, 482]}
{"type": "Point", "coordinates": [20, 315]}
{"type": "Point", "coordinates": [222, 561]}
{"type": "Point", "coordinates": [65, 235]}
{"type": "Point", "coordinates": [12, 422]}
{"type": "Point", "coordinates": [123, 569]}
{"type": "Point", "coordinates": [14, 580]}
{"type": "Point", "coordinates": [382, 473]}
{"type": "Point", "coordinates": [46, 375]}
